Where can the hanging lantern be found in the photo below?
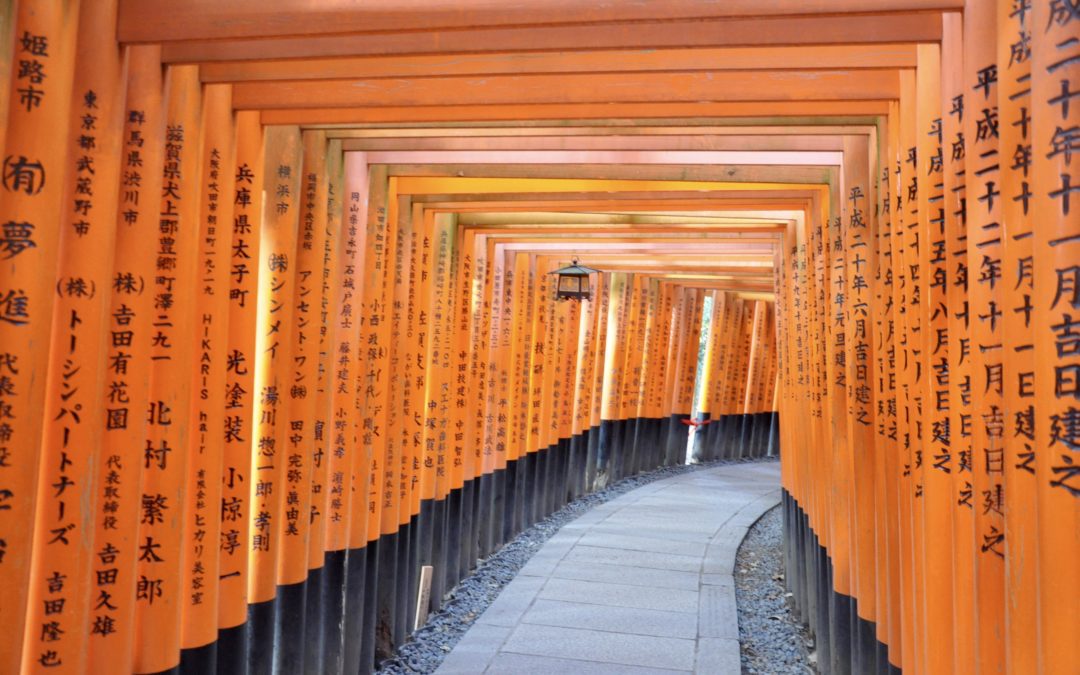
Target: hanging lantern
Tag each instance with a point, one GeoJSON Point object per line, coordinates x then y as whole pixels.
{"type": "Point", "coordinates": [573, 282]}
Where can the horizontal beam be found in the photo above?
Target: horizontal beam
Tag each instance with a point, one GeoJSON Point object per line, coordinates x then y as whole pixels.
{"type": "Point", "coordinates": [168, 20]}
{"type": "Point", "coordinates": [576, 112]}
{"type": "Point", "coordinates": [819, 57]}
{"type": "Point", "coordinates": [384, 132]}
{"type": "Point", "coordinates": [656, 143]}
{"type": "Point", "coordinates": [910, 27]}
{"type": "Point", "coordinates": [801, 175]}
{"type": "Point", "coordinates": [609, 89]}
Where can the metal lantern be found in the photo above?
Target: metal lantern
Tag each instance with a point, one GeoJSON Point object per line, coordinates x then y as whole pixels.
{"type": "Point", "coordinates": [573, 282]}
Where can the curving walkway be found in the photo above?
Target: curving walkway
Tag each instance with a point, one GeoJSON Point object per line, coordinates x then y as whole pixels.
{"type": "Point", "coordinates": [641, 584]}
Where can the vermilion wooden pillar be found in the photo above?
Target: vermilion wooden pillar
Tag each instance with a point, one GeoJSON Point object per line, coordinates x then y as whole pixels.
{"type": "Point", "coordinates": [33, 194]}
{"type": "Point", "coordinates": [240, 399]}
{"type": "Point", "coordinates": [959, 325]}
{"type": "Point", "coordinates": [1056, 250]}
{"type": "Point", "coordinates": [935, 507]}
{"type": "Point", "coordinates": [273, 359]}
{"type": "Point", "coordinates": [1015, 28]}
{"type": "Point", "coordinates": [209, 395]}
{"type": "Point", "coordinates": [987, 318]}
{"type": "Point", "coordinates": [159, 595]}
{"type": "Point", "coordinates": [59, 616]}
{"type": "Point", "coordinates": [116, 524]}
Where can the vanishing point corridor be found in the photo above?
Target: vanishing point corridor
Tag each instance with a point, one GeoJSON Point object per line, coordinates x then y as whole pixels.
{"type": "Point", "coordinates": [310, 309]}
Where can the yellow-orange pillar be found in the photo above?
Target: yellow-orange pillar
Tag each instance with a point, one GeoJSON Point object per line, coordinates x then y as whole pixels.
{"type": "Point", "coordinates": [116, 518]}
{"type": "Point", "coordinates": [1056, 295]}
{"type": "Point", "coordinates": [59, 619]}
{"type": "Point", "coordinates": [206, 445]}
{"type": "Point", "coordinates": [986, 307]}
{"type": "Point", "coordinates": [33, 194]}
{"type": "Point", "coordinates": [158, 591]}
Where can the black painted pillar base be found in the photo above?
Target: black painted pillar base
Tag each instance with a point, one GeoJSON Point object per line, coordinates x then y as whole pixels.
{"type": "Point", "coordinates": [528, 488]}
{"type": "Point", "coordinates": [199, 660]}
{"type": "Point", "coordinates": [366, 662]}
{"type": "Point", "coordinates": [291, 633]}
{"type": "Point", "coordinates": [576, 465]}
{"type": "Point", "coordinates": [232, 649]}
{"type": "Point", "coordinates": [262, 617]}
{"type": "Point", "coordinates": [468, 527]}
{"type": "Point", "coordinates": [439, 554]}
{"type": "Point", "coordinates": [407, 606]}
{"type": "Point", "coordinates": [846, 643]}
{"type": "Point", "coordinates": [592, 450]}
{"type": "Point", "coordinates": [864, 644]}
{"type": "Point", "coordinates": [482, 517]}
{"type": "Point", "coordinates": [331, 658]}
{"type": "Point", "coordinates": [453, 537]}
{"type": "Point", "coordinates": [604, 448]}
{"type": "Point", "coordinates": [386, 594]}
{"type": "Point", "coordinates": [773, 449]}
{"type": "Point", "coordinates": [509, 522]}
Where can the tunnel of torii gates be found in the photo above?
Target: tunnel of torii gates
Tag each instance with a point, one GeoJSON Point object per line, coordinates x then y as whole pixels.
{"type": "Point", "coordinates": [277, 328]}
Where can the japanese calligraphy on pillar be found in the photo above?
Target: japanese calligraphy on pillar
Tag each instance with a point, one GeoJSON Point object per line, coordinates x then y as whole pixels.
{"type": "Point", "coordinates": [127, 357]}
{"type": "Point", "coordinates": [325, 384]}
{"type": "Point", "coordinates": [345, 351]}
{"type": "Point", "coordinates": [32, 184]}
{"type": "Point", "coordinates": [158, 591]}
{"type": "Point", "coordinates": [1013, 54]}
{"type": "Point", "coordinates": [56, 634]}
{"type": "Point", "coordinates": [206, 443]}
{"type": "Point", "coordinates": [273, 349]}
{"type": "Point", "coordinates": [240, 364]}
{"type": "Point", "coordinates": [301, 391]}
{"type": "Point", "coordinates": [1055, 148]}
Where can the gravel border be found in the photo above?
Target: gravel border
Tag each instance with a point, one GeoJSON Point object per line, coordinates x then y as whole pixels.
{"type": "Point", "coordinates": [429, 645]}
{"type": "Point", "coordinates": [771, 637]}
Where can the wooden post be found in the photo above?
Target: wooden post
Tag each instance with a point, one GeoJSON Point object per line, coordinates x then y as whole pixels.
{"type": "Point", "coordinates": [59, 615]}
{"type": "Point", "coordinates": [34, 194]}
{"type": "Point", "coordinates": [935, 508]}
{"type": "Point", "coordinates": [158, 588]}
{"type": "Point", "coordinates": [117, 517]}
{"type": "Point", "coordinates": [235, 506]}
{"type": "Point", "coordinates": [986, 306]}
{"type": "Point", "coordinates": [1015, 28]}
{"type": "Point", "coordinates": [206, 446]}
{"type": "Point", "coordinates": [1056, 250]}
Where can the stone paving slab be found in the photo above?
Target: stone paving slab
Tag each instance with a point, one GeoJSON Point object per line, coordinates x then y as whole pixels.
{"type": "Point", "coordinates": [620, 595]}
{"type": "Point", "coordinates": [624, 574]}
{"type": "Point", "coordinates": [507, 663]}
{"type": "Point", "coordinates": [639, 585]}
{"type": "Point", "coordinates": [645, 543]}
{"type": "Point", "coordinates": [594, 645]}
{"type": "Point", "coordinates": [661, 561]}
{"type": "Point", "coordinates": [658, 623]}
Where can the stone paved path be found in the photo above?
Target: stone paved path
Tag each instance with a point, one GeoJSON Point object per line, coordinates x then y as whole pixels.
{"type": "Point", "coordinates": [641, 584]}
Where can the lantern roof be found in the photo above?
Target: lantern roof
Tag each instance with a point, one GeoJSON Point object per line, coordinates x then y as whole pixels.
{"type": "Point", "coordinates": [574, 269]}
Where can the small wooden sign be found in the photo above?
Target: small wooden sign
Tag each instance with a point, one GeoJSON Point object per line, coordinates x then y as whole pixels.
{"type": "Point", "coordinates": [423, 599]}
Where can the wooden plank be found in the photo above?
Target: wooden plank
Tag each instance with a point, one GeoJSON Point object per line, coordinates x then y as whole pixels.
{"type": "Point", "coordinates": [904, 27]}
{"type": "Point", "coordinates": [166, 20]}
{"type": "Point", "coordinates": [823, 57]}
{"type": "Point", "coordinates": [822, 85]}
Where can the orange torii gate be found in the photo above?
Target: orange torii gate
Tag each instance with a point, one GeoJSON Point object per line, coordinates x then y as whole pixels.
{"type": "Point", "coordinates": [234, 429]}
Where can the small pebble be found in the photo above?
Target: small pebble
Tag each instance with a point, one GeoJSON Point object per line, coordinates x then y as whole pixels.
{"type": "Point", "coordinates": [770, 635]}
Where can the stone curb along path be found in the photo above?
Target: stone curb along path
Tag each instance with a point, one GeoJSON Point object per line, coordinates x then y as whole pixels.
{"type": "Point", "coordinates": [640, 584]}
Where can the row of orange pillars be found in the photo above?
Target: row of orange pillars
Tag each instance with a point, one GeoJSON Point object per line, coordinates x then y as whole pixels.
{"type": "Point", "coordinates": [260, 365]}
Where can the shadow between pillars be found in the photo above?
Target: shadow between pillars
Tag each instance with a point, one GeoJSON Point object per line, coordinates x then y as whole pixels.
{"type": "Point", "coordinates": [357, 608]}
{"type": "Point", "coordinates": [846, 643]}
